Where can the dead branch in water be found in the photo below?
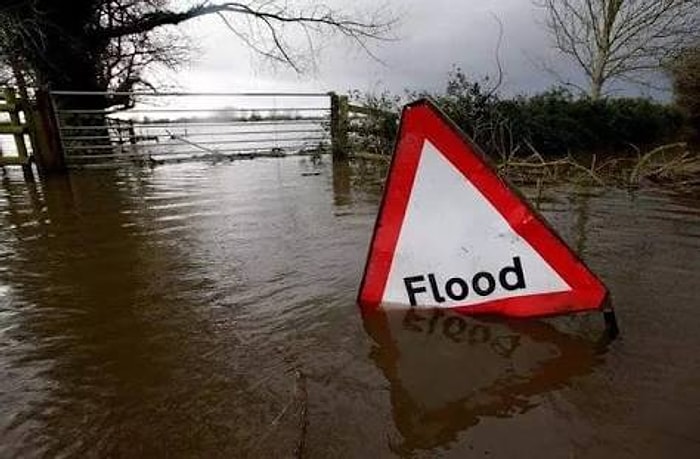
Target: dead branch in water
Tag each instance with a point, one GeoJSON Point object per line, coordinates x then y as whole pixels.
{"type": "Point", "coordinates": [299, 397]}
{"type": "Point", "coordinates": [302, 396]}
{"type": "Point", "coordinates": [634, 176]}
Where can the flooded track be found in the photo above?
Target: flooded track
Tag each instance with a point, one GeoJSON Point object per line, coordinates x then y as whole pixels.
{"type": "Point", "coordinates": [199, 310]}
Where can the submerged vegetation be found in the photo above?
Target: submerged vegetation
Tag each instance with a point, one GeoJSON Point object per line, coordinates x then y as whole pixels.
{"type": "Point", "coordinates": [554, 136]}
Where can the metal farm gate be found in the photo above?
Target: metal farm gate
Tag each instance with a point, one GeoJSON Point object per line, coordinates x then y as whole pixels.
{"type": "Point", "coordinates": [174, 126]}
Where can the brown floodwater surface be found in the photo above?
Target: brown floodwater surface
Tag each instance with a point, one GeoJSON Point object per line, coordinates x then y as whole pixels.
{"type": "Point", "coordinates": [201, 310]}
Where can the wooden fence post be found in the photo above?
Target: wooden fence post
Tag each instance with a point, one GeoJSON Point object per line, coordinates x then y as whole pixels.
{"type": "Point", "coordinates": [48, 147]}
{"type": "Point", "coordinates": [339, 126]}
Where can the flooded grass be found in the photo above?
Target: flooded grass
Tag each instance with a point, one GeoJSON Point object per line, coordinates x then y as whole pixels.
{"type": "Point", "coordinates": [672, 166]}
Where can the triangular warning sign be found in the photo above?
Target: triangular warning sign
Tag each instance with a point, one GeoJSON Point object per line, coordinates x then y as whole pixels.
{"type": "Point", "coordinates": [450, 233]}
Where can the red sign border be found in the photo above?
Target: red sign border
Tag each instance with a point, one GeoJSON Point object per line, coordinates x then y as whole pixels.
{"type": "Point", "coordinates": [422, 120]}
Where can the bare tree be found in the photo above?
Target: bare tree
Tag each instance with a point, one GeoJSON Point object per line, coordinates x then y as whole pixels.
{"type": "Point", "coordinates": [620, 39]}
{"type": "Point", "coordinates": [98, 45]}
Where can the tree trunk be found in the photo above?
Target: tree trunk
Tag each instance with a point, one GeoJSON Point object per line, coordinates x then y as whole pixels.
{"type": "Point", "coordinates": [596, 90]}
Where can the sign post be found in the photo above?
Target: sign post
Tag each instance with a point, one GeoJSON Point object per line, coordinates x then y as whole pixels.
{"type": "Point", "coordinates": [452, 234]}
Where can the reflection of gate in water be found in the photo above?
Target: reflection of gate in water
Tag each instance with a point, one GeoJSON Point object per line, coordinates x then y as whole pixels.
{"type": "Point", "coordinates": [160, 127]}
{"type": "Point", "coordinates": [14, 121]}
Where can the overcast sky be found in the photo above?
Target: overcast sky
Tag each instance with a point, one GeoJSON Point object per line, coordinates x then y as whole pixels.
{"type": "Point", "coordinates": [432, 36]}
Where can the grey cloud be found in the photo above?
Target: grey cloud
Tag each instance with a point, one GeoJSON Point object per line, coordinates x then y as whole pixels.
{"type": "Point", "coordinates": [432, 37]}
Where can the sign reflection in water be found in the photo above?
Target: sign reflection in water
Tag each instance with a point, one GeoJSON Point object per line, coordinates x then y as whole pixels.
{"type": "Point", "coordinates": [447, 371]}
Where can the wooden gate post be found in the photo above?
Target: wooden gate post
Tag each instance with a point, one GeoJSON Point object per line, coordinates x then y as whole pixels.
{"type": "Point", "coordinates": [339, 126]}
{"type": "Point", "coordinates": [48, 147]}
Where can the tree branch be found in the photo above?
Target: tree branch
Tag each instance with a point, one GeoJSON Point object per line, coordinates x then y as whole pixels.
{"type": "Point", "coordinates": [152, 20]}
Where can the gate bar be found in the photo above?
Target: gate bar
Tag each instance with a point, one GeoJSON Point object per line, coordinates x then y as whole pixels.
{"type": "Point", "coordinates": [195, 94]}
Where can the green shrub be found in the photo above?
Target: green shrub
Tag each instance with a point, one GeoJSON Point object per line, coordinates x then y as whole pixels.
{"type": "Point", "coordinates": [375, 133]}
{"type": "Point", "coordinates": [553, 123]}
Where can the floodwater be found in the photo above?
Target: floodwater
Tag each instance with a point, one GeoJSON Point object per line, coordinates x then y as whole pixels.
{"type": "Point", "coordinates": [199, 310]}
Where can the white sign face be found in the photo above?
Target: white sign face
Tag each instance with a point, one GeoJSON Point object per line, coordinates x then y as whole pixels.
{"type": "Point", "coordinates": [456, 249]}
